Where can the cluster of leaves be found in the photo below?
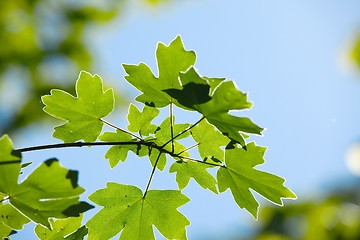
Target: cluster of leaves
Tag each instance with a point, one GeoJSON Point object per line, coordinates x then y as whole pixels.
{"type": "Point", "coordinates": [51, 192]}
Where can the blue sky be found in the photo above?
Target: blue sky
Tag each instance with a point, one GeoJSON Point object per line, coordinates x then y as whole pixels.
{"type": "Point", "coordinates": [285, 54]}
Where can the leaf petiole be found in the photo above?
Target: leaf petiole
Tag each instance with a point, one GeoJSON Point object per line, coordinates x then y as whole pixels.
{"type": "Point", "coordinates": [120, 129]}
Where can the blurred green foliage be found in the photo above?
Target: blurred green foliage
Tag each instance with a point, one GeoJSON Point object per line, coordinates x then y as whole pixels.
{"type": "Point", "coordinates": [42, 47]}
{"type": "Point", "coordinates": [337, 216]}
{"type": "Point", "coordinates": [355, 52]}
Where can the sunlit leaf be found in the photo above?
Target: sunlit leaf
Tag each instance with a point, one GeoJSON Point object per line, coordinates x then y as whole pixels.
{"type": "Point", "coordinates": [126, 210]}
{"type": "Point", "coordinates": [216, 107]}
{"type": "Point", "coordinates": [83, 112]}
{"type": "Point", "coordinates": [49, 191]}
{"type": "Point", "coordinates": [209, 141]}
{"type": "Point", "coordinates": [240, 176]}
{"type": "Point", "coordinates": [185, 170]}
{"type": "Point", "coordinates": [171, 60]}
{"type": "Point", "coordinates": [119, 152]}
{"type": "Point", "coordinates": [141, 121]}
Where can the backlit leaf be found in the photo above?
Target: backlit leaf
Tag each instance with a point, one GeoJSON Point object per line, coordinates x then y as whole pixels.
{"type": "Point", "coordinates": [210, 141]}
{"type": "Point", "coordinates": [126, 210]}
{"type": "Point", "coordinates": [141, 121]}
{"type": "Point", "coordinates": [171, 60]}
{"type": "Point", "coordinates": [240, 176]}
{"type": "Point", "coordinates": [83, 112]}
{"type": "Point", "coordinates": [119, 152]}
{"type": "Point", "coordinates": [188, 169]}
{"type": "Point", "coordinates": [216, 107]}
{"type": "Point", "coordinates": [49, 191]}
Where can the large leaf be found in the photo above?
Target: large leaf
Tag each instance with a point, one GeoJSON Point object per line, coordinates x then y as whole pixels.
{"type": "Point", "coordinates": [240, 176]}
{"type": "Point", "coordinates": [215, 107]}
{"type": "Point", "coordinates": [126, 210]}
{"type": "Point", "coordinates": [83, 112]}
{"type": "Point", "coordinates": [185, 170]}
{"type": "Point", "coordinates": [49, 191]}
{"type": "Point", "coordinates": [60, 228]}
{"type": "Point", "coordinates": [141, 121]}
{"type": "Point", "coordinates": [171, 60]}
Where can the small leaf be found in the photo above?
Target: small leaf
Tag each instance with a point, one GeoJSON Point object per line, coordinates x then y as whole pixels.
{"type": "Point", "coordinates": [60, 228]}
{"type": "Point", "coordinates": [210, 141]}
{"type": "Point", "coordinates": [188, 169]}
{"type": "Point", "coordinates": [239, 175]}
{"type": "Point", "coordinates": [141, 121]}
{"type": "Point", "coordinates": [83, 112]}
{"type": "Point", "coordinates": [127, 211]}
{"type": "Point", "coordinates": [171, 60]}
{"type": "Point", "coordinates": [119, 152]}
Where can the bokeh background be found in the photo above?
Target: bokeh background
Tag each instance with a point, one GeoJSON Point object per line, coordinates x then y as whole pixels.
{"type": "Point", "coordinates": [298, 60]}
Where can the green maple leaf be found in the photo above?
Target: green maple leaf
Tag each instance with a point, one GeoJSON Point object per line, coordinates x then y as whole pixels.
{"type": "Point", "coordinates": [119, 152]}
{"type": "Point", "coordinates": [83, 113]}
{"type": "Point", "coordinates": [171, 60]}
{"type": "Point", "coordinates": [141, 121]}
{"type": "Point", "coordinates": [215, 108]}
{"type": "Point", "coordinates": [49, 191]}
{"type": "Point", "coordinates": [10, 219]}
{"type": "Point", "coordinates": [60, 229]}
{"type": "Point", "coordinates": [126, 210]}
{"type": "Point", "coordinates": [239, 175]}
{"type": "Point", "coordinates": [210, 141]}
{"type": "Point", "coordinates": [185, 170]}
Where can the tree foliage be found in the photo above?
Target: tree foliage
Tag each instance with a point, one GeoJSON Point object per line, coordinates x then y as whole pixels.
{"type": "Point", "coordinates": [50, 195]}
{"type": "Point", "coordinates": [40, 37]}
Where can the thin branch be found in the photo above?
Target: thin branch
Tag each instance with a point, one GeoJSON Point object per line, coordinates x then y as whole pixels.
{"type": "Point", "coordinates": [171, 128]}
{"type": "Point", "coordinates": [181, 133]}
{"type": "Point", "coordinates": [122, 130]}
{"type": "Point", "coordinates": [80, 144]}
{"type": "Point", "coordinates": [152, 174]}
{"type": "Point", "coordinates": [200, 161]}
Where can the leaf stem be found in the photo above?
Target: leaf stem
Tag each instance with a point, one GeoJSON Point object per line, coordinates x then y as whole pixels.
{"type": "Point", "coordinates": [181, 133]}
{"type": "Point", "coordinates": [152, 174]}
{"type": "Point", "coordinates": [187, 149]}
{"type": "Point", "coordinates": [120, 129]}
{"type": "Point", "coordinates": [171, 127]}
